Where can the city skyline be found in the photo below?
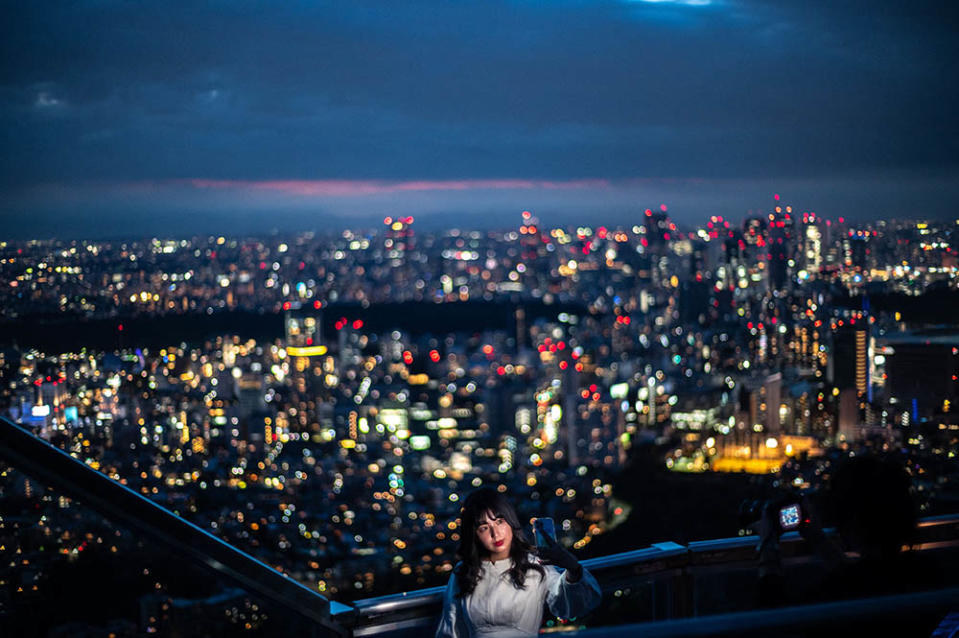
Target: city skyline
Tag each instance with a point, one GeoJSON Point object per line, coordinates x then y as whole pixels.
{"type": "Point", "coordinates": [325, 402]}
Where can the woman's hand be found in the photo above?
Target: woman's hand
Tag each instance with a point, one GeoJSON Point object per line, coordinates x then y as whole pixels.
{"type": "Point", "coordinates": [556, 554]}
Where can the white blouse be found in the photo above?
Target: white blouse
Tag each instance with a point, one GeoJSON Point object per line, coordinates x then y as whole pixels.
{"type": "Point", "coordinates": [497, 609]}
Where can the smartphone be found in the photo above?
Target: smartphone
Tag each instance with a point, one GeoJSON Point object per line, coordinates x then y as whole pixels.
{"type": "Point", "coordinates": [789, 516]}
{"type": "Point", "coordinates": [543, 527]}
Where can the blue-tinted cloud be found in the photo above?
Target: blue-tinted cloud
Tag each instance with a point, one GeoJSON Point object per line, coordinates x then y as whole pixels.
{"type": "Point", "coordinates": [120, 92]}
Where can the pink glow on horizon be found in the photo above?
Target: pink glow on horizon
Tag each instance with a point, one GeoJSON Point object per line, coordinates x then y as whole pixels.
{"type": "Point", "coordinates": [353, 188]}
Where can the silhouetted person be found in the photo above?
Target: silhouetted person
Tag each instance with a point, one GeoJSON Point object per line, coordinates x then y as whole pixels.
{"type": "Point", "coordinates": [875, 514]}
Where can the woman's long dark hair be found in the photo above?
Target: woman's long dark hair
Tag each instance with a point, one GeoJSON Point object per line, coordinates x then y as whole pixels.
{"type": "Point", "coordinates": [471, 553]}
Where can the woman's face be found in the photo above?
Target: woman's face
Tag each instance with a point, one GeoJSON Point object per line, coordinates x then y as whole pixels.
{"type": "Point", "coordinates": [495, 535]}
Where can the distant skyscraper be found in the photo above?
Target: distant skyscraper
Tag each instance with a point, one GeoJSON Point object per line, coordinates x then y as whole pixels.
{"type": "Point", "coordinates": [694, 299]}
{"type": "Point", "coordinates": [657, 229]}
{"type": "Point", "coordinates": [519, 317]}
{"type": "Point", "coordinates": [699, 262]}
{"type": "Point", "coordinates": [777, 268]}
{"type": "Point", "coordinates": [848, 365]}
{"type": "Point", "coordinates": [754, 231]}
{"type": "Point", "coordinates": [813, 249]}
{"type": "Point", "coordinates": [856, 253]}
{"type": "Point", "coordinates": [773, 386]}
{"type": "Point", "coordinates": [782, 249]}
{"type": "Point", "coordinates": [576, 448]}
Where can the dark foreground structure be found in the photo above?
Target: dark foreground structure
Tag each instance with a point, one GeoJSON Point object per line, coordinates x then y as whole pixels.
{"type": "Point", "coordinates": [704, 588]}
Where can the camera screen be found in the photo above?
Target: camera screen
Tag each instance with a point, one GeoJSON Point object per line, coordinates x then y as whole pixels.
{"type": "Point", "coordinates": [789, 516]}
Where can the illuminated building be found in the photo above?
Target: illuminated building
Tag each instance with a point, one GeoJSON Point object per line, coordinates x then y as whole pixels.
{"type": "Point", "coordinates": [848, 365]}
{"type": "Point", "coordinates": [856, 251]}
{"type": "Point", "coordinates": [811, 246]}
{"type": "Point", "coordinates": [781, 249]}
{"type": "Point", "coordinates": [303, 329]}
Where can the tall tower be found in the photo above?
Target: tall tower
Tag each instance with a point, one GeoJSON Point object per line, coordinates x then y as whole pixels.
{"type": "Point", "coordinates": [519, 317]}
{"type": "Point", "coordinates": [658, 227]}
{"type": "Point", "coordinates": [848, 366]}
{"type": "Point", "coordinates": [781, 251]}
{"type": "Point", "coordinates": [813, 246]}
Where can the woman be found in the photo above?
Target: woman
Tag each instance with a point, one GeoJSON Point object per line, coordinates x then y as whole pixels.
{"type": "Point", "coordinates": [499, 587]}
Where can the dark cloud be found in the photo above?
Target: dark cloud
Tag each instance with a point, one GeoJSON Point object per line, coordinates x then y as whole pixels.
{"type": "Point", "coordinates": [121, 91]}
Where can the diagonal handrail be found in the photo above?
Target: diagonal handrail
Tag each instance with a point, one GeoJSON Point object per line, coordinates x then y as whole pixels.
{"type": "Point", "coordinates": [57, 469]}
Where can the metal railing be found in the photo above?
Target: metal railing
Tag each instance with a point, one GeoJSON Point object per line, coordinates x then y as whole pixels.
{"type": "Point", "coordinates": [55, 468]}
{"type": "Point", "coordinates": [670, 573]}
{"type": "Point", "coordinates": [900, 615]}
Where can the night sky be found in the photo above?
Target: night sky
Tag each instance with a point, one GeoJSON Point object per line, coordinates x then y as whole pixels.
{"type": "Point", "coordinates": [125, 118]}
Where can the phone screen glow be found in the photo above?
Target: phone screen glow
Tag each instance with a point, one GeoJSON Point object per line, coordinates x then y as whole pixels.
{"type": "Point", "coordinates": [789, 516]}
